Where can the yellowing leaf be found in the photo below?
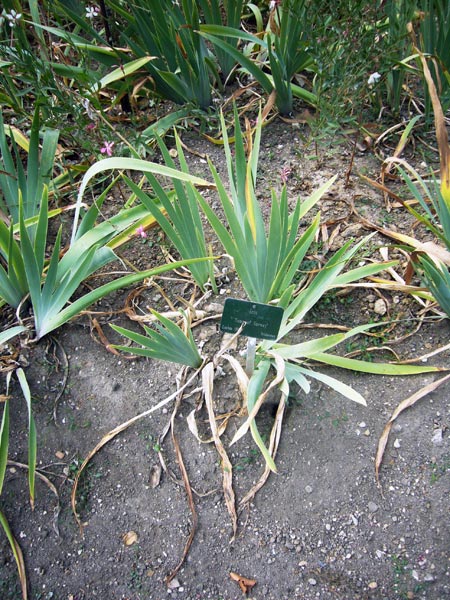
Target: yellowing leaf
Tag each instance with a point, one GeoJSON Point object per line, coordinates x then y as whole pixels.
{"type": "Point", "coordinates": [441, 129]}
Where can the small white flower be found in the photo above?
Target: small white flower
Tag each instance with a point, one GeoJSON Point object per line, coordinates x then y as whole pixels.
{"type": "Point", "coordinates": [13, 17]}
{"type": "Point", "coordinates": [91, 12]}
{"type": "Point", "coordinates": [374, 78]}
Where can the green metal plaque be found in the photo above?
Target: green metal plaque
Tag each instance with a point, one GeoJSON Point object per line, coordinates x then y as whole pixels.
{"type": "Point", "coordinates": [262, 321]}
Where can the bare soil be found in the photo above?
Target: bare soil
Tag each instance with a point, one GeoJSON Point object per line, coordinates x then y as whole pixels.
{"type": "Point", "coordinates": [319, 528]}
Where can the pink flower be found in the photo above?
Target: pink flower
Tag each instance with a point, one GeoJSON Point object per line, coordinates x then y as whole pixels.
{"type": "Point", "coordinates": [140, 231]}
{"type": "Point", "coordinates": [285, 172]}
{"type": "Point", "coordinates": [107, 148]}
{"type": "Point", "coordinates": [90, 126]}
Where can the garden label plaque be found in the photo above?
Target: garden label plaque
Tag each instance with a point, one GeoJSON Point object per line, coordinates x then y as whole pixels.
{"type": "Point", "coordinates": [262, 321]}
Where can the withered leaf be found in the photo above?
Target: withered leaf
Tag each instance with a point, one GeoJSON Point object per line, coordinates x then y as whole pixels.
{"type": "Point", "coordinates": [155, 476]}
{"type": "Point", "coordinates": [130, 538]}
{"type": "Point", "coordinates": [410, 401]}
{"type": "Point", "coordinates": [244, 583]}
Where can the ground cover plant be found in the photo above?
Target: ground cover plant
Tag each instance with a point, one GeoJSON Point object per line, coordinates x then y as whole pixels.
{"type": "Point", "coordinates": [88, 92]}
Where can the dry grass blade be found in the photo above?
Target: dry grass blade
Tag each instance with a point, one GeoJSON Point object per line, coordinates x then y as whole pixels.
{"type": "Point", "coordinates": [275, 435]}
{"type": "Point", "coordinates": [425, 357]}
{"type": "Point", "coordinates": [400, 408]}
{"type": "Point", "coordinates": [224, 418]}
{"type": "Point", "coordinates": [103, 339]}
{"type": "Point", "coordinates": [187, 487]}
{"type": "Point", "coordinates": [434, 251]}
{"type": "Point", "coordinates": [387, 192]}
{"type": "Point", "coordinates": [227, 468]}
{"type": "Point", "coordinates": [280, 365]}
{"type": "Point", "coordinates": [62, 363]}
{"type": "Point", "coordinates": [112, 434]}
{"type": "Point", "coordinates": [241, 375]}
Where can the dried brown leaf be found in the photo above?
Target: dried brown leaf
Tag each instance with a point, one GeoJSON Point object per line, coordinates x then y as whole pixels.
{"type": "Point", "coordinates": [186, 482]}
{"type": "Point", "coordinates": [112, 434]}
{"type": "Point", "coordinates": [155, 476]}
{"type": "Point", "coordinates": [280, 367]}
{"type": "Point", "coordinates": [439, 123]}
{"type": "Point", "coordinates": [410, 401]}
{"type": "Point", "coordinates": [244, 583]}
{"type": "Point", "coordinates": [241, 375]}
{"type": "Point", "coordinates": [130, 538]}
{"type": "Point", "coordinates": [227, 468]}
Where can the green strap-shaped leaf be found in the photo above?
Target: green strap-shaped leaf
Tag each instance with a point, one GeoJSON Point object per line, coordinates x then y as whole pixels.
{"type": "Point", "coordinates": [32, 439]}
{"type": "Point", "coordinates": [371, 367]}
{"type": "Point", "coordinates": [132, 164]}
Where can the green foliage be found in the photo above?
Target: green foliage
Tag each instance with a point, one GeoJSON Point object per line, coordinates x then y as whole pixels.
{"type": "Point", "coordinates": [434, 31]}
{"type": "Point", "coordinates": [266, 263]}
{"type": "Point", "coordinates": [15, 181]}
{"type": "Point", "coordinates": [178, 215]}
{"type": "Point", "coordinates": [228, 13]}
{"type": "Point", "coordinates": [437, 278]}
{"type": "Point", "coordinates": [168, 342]}
{"type": "Point", "coordinates": [432, 262]}
{"type": "Point", "coordinates": [32, 450]}
{"type": "Point", "coordinates": [181, 67]}
{"type": "Point", "coordinates": [284, 58]}
{"type": "Point", "coordinates": [398, 46]}
{"type": "Point", "coordinates": [51, 284]}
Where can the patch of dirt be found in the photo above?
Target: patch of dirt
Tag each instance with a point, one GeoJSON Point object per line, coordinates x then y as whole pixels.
{"type": "Point", "coordinates": [319, 528]}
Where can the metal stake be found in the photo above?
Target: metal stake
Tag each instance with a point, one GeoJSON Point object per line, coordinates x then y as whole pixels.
{"type": "Point", "coordinates": [250, 360]}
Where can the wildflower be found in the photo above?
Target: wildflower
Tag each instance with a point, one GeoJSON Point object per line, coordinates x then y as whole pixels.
{"type": "Point", "coordinates": [374, 78]}
{"type": "Point", "coordinates": [140, 231]}
{"type": "Point", "coordinates": [274, 3]}
{"type": "Point", "coordinates": [91, 12]}
{"type": "Point", "coordinates": [285, 172]}
{"type": "Point", "coordinates": [107, 148]}
{"type": "Point", "coordinates": [90, 126]}
{"type": "Point", "coordinates": [13, 17]}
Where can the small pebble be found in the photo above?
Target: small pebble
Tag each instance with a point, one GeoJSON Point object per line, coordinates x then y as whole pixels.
{"type": "Point", "coordinates": [372, 507]}
{"type": "Point", "coordinates": [380, 307]}
{"type": "Point", "coordinates": [312, 581]}
{"type": "Point", "coordinates": [373, 585]}
{"type": "Point", "coordinates": [308, 489]}
{"type": "Point", "coordinates": [437, 437]}
{"type": "Point", "coordinates": [172, 585]}
{"type": "Point", "coordinates": [397, 443]}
